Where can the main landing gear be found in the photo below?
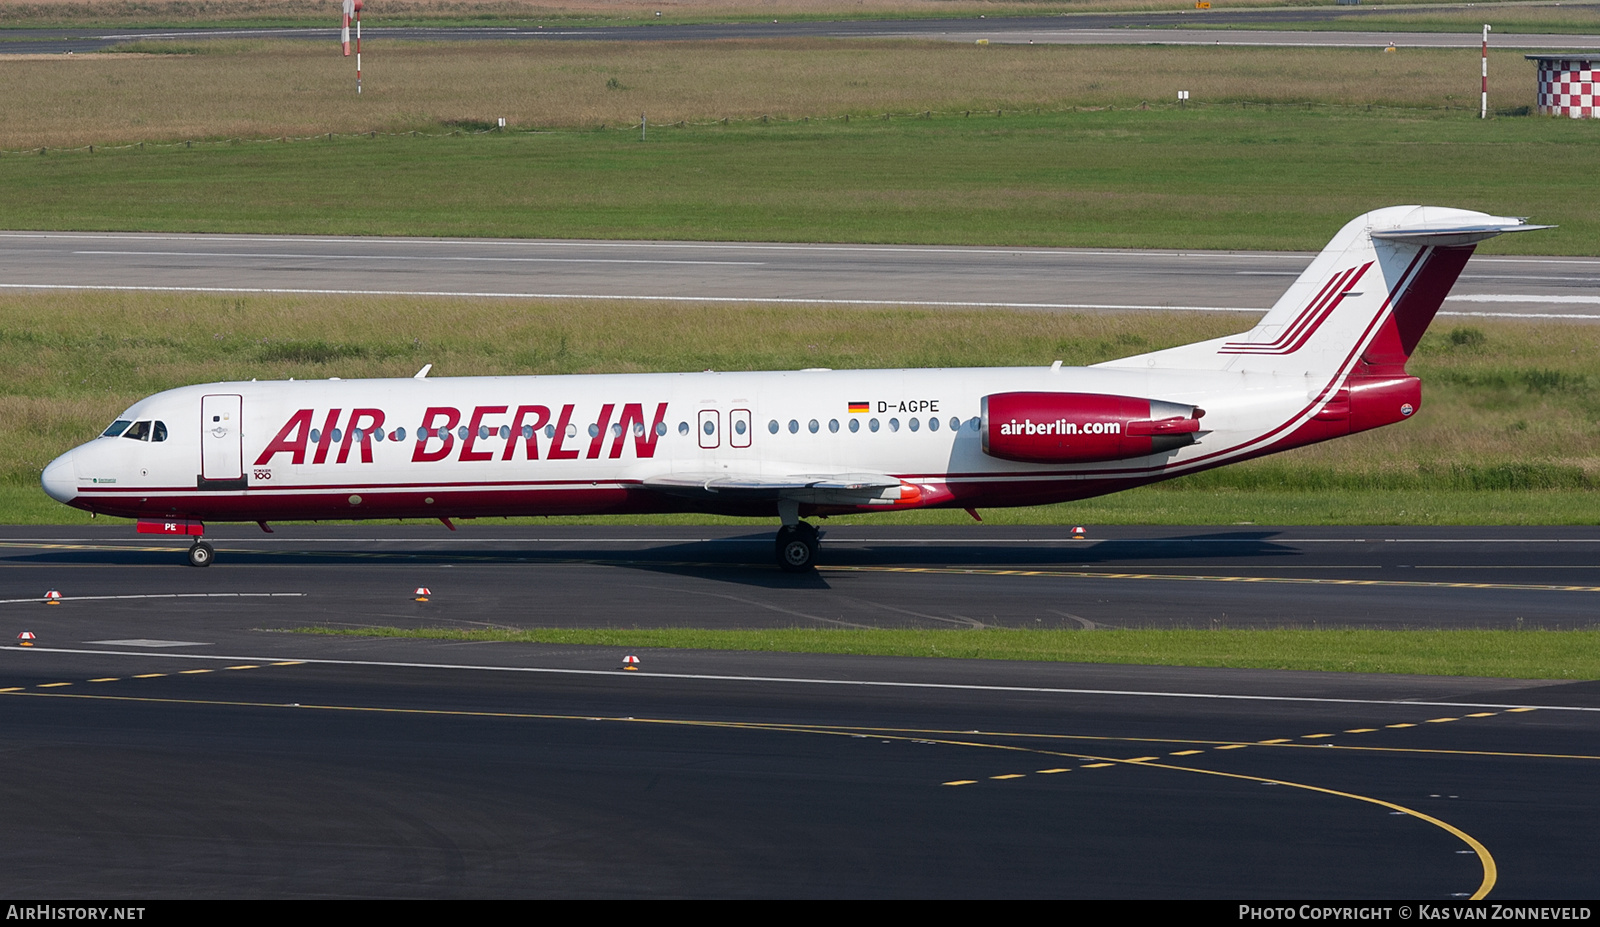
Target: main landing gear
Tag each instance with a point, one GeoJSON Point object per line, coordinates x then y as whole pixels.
{"type": "Point", "coordinates": [797, 547]}
{"type": "Point", "coordinates": [201, 554]}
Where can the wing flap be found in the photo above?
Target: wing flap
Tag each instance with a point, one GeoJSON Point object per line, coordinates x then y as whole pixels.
{"type": "Point", "coordinates": [815, 488]}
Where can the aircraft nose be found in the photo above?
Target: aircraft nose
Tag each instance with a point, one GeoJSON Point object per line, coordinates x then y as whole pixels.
{"type": "Point", "coordinates": [60, 480]}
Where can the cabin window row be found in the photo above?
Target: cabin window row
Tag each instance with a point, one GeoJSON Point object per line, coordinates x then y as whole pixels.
{"type": "Point", "coordinates": [873, 425]}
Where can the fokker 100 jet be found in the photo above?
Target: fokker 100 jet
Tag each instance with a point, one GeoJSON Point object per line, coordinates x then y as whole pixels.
{"type": "Point", "coordinates": [1328, 360]}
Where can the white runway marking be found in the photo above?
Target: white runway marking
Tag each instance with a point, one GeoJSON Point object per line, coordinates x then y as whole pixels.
{"type": "Point", "coordinates": [1511, 298]}
{"type": "Point", "coordinates": [164, 595]}
{"type": "Point", "coordinates": [808, 681]}
{"type": "Point", "coordinates": [620, 296]}
{"type": "Point", "coordinates": [146, 642]}
{"type": "Point", "coordinates": [413, 257]}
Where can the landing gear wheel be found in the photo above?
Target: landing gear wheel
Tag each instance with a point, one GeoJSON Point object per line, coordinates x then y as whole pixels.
{"type": "Point", "coordinates": [201, 554]}
{"type": "Point", "coordinates": [797, 548]}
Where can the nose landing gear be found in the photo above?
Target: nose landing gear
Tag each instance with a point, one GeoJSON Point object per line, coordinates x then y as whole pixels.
{"type": "Point", "coordinates": [796, 547]}
{"type": "Point", "coordinates": [201, 554]}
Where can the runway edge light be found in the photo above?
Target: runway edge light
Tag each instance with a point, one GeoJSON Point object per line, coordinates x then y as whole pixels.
{"type": "Point", "coordinates": [630, 662]}
{"type": "Point", "coordinates": [1077, 533]}
{"type": "Point", "coordinates": [422, 593]}
{"type": "Point", "coordinates": [26, 638]}
{"type": "Point", "coordinates": [53, 597]}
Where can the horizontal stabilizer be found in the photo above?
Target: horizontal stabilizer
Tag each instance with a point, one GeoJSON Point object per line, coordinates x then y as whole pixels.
{"type": "Point", "coordinates": [1452, 234]}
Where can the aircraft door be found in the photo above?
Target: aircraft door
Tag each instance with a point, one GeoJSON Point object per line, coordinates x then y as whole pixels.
{"type": "Point", "coordinates": [739, 428]}
{"type": "Point", "coordinates": [221, 438]}
{"type": "Point", "coordinates": [710, 428]}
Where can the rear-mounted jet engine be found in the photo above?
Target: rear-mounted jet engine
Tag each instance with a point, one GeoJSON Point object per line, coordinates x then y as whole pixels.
{"type": "Point", "coordinates": [1083, 427]}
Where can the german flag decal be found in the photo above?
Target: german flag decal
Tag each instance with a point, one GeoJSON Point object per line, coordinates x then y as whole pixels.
{"type": "Point", "coordinates": [860, 407]}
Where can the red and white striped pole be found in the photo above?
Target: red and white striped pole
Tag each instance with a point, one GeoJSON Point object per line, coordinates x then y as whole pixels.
{"type": "Point", "coordinates": [357, 5]}
{"type": "Point", "coordinates": [1483, 108]}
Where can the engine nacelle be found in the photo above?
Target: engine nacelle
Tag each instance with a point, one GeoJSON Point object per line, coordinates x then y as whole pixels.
{"type": "Point", "coordinates": [1083, 427]}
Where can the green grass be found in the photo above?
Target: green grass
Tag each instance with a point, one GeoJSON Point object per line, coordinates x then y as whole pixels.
{"type": "Point", "coordinates": [1216, 176]}
{"type": "Point", "coordinates": [1506, 654]}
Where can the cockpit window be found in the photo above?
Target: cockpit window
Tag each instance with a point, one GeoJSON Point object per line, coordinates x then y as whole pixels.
{"type": "Point", "coordinates": [159, 432]}
{"type": "Point", "coordinates": [117, 427]}
{"type": "Point", "coordinates": [138, 431]}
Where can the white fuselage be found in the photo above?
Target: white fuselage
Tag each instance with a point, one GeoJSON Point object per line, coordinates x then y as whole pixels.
{"type": "Point", "coordinates": [564, 444]}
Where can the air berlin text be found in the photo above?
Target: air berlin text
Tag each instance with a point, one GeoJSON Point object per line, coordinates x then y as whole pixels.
{"type": "Point", "coordinates": [482, 433]}
{"type": "Point", "coordinates": [1060, 427]}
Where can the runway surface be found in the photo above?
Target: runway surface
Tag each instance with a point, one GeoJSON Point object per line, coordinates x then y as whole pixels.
{"type": "Point", "coordinates": [1036, 278]}
{"type": "Point", "coordinates": [1091, 29]}
{"type": "Point", "coordinates": [166, 737]}
{"type": "Point", "coordinates": [912, 576]}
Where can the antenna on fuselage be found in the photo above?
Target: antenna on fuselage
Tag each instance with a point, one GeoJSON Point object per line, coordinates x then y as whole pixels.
{"type": "Point", "coordinates": [423, 373]}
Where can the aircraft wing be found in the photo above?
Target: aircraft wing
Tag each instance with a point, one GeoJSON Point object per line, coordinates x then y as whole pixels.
{"type": "Point", "coordinates": [816, 488]}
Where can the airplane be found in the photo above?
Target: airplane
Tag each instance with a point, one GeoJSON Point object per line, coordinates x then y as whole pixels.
{"type": "Point", "coordinates": [1328, 360]}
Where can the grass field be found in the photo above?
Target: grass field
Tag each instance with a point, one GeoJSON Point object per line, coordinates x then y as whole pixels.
{"type": "Point", "coordinates": [1505, 654]}
{"type": "Point", "coordinates": [1509, 431]}
{"type": "Point", "coordinates": [169, 90]}
{"type": "Point", "coordinates": [1220, 178]}
{"type": "Point", "coordinates": [808, 154]}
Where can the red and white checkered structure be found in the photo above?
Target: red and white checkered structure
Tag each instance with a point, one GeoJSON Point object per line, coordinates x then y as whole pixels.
{"type": "Point", "coordinates": [1568, 86]}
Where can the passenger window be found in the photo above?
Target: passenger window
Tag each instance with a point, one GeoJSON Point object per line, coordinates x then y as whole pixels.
{"type": "Point", "coordinates": [794, 427]}
{"type": "Point", "coordinates": [914, 425]}
{"type": "Point", "coordinates": [873, 424]}
{"type": "Point", "coordinates": [933, 424]}
{"type": "Point", "coordinates": [833, 425]}
{"type": "Point", "coordinates": [138, 431]}
{"type": "Point", "coordinates": [855, 424]}
{"type": "Point", "coordinates": [812, 426]}
{"type": "Point", "coordinates": [120, 425]}
{"type": "Point", "coordinates": [772, 426]}
{"type": "Point", "coordinates": [894, 424]}
{"type": "Point", "coordinates": [159, 433]}
{"type": "Point", "coordinates": [683, 428]}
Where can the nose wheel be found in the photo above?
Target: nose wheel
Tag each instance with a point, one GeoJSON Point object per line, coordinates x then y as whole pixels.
{"type": "Point", "coordinates": [201, 554]}
{"type": "Point", "coordinates": [796, 548]}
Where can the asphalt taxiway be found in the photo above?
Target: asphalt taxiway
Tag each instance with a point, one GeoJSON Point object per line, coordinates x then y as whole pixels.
{"type": "Point", "coordinates": [167, 735]}
{"type": "Point", "coordinates": [909, 576]}
{"type": "Point", "coordinates": [309, 767]}
{"type": "Point", "coordinates": [670, 271]}
{"type": "Point", "coordinates": [1174, 28]}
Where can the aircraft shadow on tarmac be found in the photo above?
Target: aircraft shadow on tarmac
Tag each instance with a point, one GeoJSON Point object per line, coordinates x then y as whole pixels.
{"type": "Point", "coordinates": [739, 559]}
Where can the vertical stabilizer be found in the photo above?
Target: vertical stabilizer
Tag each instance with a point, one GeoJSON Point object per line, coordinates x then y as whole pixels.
{"type": "Point", "coordinates": [1365, 300]}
